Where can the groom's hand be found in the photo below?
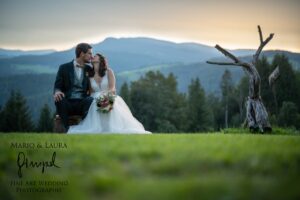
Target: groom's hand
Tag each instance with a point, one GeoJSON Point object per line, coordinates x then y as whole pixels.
{"type": "Point", "coordinates": [58, 96]}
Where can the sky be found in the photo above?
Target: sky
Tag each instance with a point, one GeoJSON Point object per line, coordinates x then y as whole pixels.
{"type": "Point", "coordinates": [61, 24]}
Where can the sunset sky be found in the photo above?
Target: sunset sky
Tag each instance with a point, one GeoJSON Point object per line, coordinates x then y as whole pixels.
{"type": "Point", "coordinates": [61, 24]}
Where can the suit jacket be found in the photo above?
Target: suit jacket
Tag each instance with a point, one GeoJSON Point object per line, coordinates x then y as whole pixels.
{"type": "Point", "coordinates": [65, 79]}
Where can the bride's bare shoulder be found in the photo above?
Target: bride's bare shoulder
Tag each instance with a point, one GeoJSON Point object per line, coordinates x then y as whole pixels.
{"type": "Point", "coordinates": [109, 70]}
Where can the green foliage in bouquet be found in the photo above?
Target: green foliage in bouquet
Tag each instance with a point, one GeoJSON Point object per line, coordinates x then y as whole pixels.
{"type": "Point", "coordinates": [105, 102]}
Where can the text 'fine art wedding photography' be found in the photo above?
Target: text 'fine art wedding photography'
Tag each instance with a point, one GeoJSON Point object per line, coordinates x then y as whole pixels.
{"type": "Point", "coordinates": [130, 100]}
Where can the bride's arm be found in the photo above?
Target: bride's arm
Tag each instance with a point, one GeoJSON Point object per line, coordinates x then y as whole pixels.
{"type": "Point", "coordinates": [111, 80]}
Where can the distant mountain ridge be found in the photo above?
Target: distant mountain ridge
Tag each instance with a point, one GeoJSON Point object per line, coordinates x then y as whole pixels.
{"type": "Point", "coordinates": [13, 53]}
{"type": "Point", "coordinates": [124, 54]}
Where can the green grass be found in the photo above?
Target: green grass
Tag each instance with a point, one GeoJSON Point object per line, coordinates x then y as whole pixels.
{"type": "Point", "coordinates": [159, 166]}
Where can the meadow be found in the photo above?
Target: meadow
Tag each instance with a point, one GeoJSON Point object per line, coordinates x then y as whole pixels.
{"type": "Point", "coordinates": [232, 164]}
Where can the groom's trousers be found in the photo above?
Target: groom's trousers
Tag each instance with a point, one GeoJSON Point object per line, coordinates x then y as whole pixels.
{"type": "Point", "coordinates": [67, 107]}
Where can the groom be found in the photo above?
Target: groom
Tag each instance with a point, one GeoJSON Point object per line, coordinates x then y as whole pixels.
{"type": "Point", "coordinates": [71, 94]}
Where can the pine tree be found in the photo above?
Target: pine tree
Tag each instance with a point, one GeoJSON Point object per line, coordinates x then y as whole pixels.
{"type": "Point", "coordinates": [298, 89]}
{"type": "Point", "coordinates": [227, 88]}
{"type": "Point", "coordinates": [45, 121]}
{"type": "Point", "coordinates": [286, 86]}
{"type": "Point", "coordinates": [174, 105]}
{"type": "Point", "coordinates": [288, 116]}
{"type": "Point", "coordinates": [1, 119]}
{"type": "Point", "coordinates": [264, 69]}
{"type": "Point", "coordinates": [125, 94]}
{"type": "Point", "coordinates": [142, 95]}
{"type": "Point", "coordinates": [242, 94]}
{"type": "Point", "coordinates": [10, 113]}
{"type": "Point", "coordinates": [16, 114]}
{"type": "Point", "coordinates": [199, 116]}
{"type": "Point", "coordinates": [215, 105]}
{"type": "Point", "coordinates": [157, 104]}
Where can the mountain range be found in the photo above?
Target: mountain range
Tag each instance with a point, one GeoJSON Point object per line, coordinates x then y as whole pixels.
{"type": "Point", "coordinates": [13, 53]}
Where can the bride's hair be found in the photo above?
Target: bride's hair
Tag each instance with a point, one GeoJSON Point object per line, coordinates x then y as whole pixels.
{"type": "Point", "coordinates": [102, 66]}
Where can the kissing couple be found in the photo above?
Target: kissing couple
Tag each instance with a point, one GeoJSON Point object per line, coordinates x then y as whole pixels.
{"type": "Point", "coordinates": [86, 86]}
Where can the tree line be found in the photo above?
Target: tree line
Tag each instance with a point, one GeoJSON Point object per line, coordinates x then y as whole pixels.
{"type": "Point", "coordinates": [15, 116]}
{"type": "Point", "coordinates": [155, 101]}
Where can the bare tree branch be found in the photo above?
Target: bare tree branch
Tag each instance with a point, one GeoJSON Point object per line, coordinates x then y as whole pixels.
{"type": "Point", "coordinates": [260, 34]}
{"type": "Point", "coordinates": [262, 44]}
{"type": "Point", "coordinates": [274, 76]}
{"type": "Point", "coordinates": [237, 62]}
{"type": "Point", "coordinates": [227, 54]}
{"type": "Point", "coordinates": [222, 63]}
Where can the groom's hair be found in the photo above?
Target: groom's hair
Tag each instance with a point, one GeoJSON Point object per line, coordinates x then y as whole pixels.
{"type": "Point", "coordinates": [82, 47]}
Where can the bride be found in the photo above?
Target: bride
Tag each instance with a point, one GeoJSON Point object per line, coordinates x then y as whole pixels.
{"type": "Point", "coordinates": [119, 119]}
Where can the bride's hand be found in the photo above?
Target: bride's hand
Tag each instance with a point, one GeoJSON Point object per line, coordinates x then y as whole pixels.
{"type": "Point", "coordinates": [113, 91]}
{"type": "Point", "coordinates": [58, 96]}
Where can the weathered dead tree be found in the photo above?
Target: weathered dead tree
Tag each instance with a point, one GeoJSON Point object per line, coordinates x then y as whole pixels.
{"type": "Point", "coordinates": [257, 116]}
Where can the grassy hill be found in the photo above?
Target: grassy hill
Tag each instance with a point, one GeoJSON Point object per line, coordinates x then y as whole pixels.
{"type": "Point", "coordinates": [160, 166]}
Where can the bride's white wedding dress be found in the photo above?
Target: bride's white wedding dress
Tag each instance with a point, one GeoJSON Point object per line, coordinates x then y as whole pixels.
{"type": "Point", "coordinates": [118, 120]}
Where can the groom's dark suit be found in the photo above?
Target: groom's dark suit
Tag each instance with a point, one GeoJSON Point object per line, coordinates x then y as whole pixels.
{"type": "Point", "coordinates": [76, 89]}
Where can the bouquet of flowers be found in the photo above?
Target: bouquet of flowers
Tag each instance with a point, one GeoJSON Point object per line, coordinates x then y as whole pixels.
{"type": "Point", "coordinates": [105, 102]}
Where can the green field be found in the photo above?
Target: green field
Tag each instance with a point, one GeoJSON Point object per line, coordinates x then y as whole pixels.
{"type": "Point", "coordinates": [159, 166]}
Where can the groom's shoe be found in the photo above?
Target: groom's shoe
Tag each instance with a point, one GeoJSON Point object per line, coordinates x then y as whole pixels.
{"type": "Point", "coordinates": [59, 126]}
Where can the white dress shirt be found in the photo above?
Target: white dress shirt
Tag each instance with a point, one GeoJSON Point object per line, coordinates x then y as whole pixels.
{"type": "Point", "coordinates": [78, 69]}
